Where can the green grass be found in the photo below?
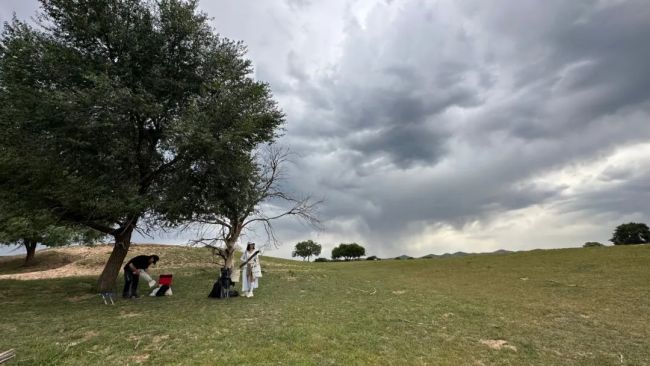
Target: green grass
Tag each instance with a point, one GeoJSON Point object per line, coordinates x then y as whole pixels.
{"type": "Point", "coordinates": [554, 307]}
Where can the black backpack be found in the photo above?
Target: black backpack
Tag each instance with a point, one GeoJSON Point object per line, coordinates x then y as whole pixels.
{"type": "Point", "coordinates": [221, 288]}
{"type": "Point", "coordinates": [161, 291]}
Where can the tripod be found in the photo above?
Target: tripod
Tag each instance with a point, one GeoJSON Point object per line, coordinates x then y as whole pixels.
{"type": "Point", "coordinates": [225, 283]}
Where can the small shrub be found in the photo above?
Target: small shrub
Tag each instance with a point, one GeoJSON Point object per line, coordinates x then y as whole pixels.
{"type": "Point", "coordinates": [321, 259]}
{"type": "Point", "coordinates": [592, 244]}
{"type": "Point", "coordinates": [373, 258]}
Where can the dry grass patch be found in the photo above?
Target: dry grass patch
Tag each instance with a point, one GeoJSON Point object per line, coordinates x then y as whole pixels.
{"type": "Point", "coordinates": [498, 344]}
{"type": "Point", "coordinates": [140, 358]}
{"type": "Point", "coordinates": [79, 298]}
{"type": "Point", "coordinates": [126, 314]}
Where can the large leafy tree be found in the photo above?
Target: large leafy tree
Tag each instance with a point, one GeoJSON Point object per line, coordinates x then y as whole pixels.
{"type": "Point", "coordinates": [30, 231]}
{"type": "Point", "coordinates": [306, 249]}
{"type": "Point", "coordinates": [631, 233]}
{"type": "Point", "coordinates": [110, 103]}
{"type": "Point", "coordinates": [30, 228]}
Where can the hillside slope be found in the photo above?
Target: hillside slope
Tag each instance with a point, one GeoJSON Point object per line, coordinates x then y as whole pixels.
{"type": "Point", "coordinates": [545, 307]}
{"type": "Point", "coordinates": [89, 261]}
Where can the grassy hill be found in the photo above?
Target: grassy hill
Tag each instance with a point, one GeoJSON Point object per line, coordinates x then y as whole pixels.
{"type": "Point", "coordinates": [553, 307]}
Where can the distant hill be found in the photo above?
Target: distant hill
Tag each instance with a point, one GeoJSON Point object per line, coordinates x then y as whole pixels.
{"type": "Point", "coordinates": [401, 257]}
{"type": "Point", "coordinates": [462, 254]}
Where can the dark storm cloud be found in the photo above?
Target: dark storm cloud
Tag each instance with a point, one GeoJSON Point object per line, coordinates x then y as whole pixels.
{"type": "Point", "coordinates": [385, 101]}
{"type": "Point", "coordinates": [403, 145]}
{"type": "Point", "coordinates": [540, 85]}
{"type": "Point", "coordinates": [580, 60]}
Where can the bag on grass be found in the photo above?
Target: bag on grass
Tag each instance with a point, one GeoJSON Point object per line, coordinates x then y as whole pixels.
{"type": "Point", "coordinates": [216, 290]}
{"type": "Point", "coordinates": [221, 287]}
{"type": "Point", "coordinates": [220, 292]}
{"type": "Point", "coordinates": [162, 290]}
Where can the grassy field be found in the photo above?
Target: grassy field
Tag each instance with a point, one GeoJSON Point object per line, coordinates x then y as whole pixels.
{"type": "Point", "coordinates": [552, 307]}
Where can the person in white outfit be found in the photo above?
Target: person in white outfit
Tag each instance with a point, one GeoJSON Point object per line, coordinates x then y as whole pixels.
{"type": "Point", "coordinates": [251, 270]}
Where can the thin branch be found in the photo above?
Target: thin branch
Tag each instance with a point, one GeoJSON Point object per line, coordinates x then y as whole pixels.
{"type": "Point", "coordinates": [146, 180]}
{"type": "Point", "coordinates": [304, 209]}
{"type": "Point", "coordinates": [213, 221]}
{"type": "Point", "coordinates": [246, 209]}
{"type": "Point", "coordinates": [77, 218]}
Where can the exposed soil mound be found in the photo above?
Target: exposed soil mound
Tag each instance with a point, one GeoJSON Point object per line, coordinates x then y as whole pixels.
{"type": "Point", "coordinates": [89, 261]}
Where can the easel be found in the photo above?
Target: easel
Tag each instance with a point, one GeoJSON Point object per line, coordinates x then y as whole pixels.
{"type": "Point", "coordinates": [225, 282]}
{"type": "Point", "coordinates": [108, 297]}
{"type": "Point", "coordinates": [8, 355]}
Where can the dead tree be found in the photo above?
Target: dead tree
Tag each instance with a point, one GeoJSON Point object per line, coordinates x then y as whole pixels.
{"type": "Point", "coordinates": [244, 203]}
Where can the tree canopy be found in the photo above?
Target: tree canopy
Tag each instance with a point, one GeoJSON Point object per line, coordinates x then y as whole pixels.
{"type": "Point", "coordinates": [30, 231]}
{"type": "Point", "coordinates": [109, 104]}
{"type": "Point", "coordinates": [31, 228]}
{"type": "Point", "coordinates": [306, 249]}
{"type": "Point", "coordinates": [631, 233]}
{"type": "Point", "coordinates": [348, 251]}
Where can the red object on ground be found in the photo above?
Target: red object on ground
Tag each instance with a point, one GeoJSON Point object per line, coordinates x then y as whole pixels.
{"type": "Point", "coordinates": [165, 280]}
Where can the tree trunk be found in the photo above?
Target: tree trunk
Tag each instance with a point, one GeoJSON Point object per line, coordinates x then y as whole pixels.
{"type": "Point", "coordinates": [231, 240]}
{"type": "Point", "coordinates": [30, 246]}
{"type": "Point", "coordinates": [230, 253]}
{"type": "Point", "coordinates": [106, 282]}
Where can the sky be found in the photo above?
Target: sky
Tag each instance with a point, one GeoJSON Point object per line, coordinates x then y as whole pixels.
{"type": "Point", "coordinates": [451, 125]}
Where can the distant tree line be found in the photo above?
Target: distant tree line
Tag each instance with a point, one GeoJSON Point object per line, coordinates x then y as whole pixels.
{"type": "Point", "coordinates": [348, 251]}
{"type": "Point", "coordinates": [306, 249]}
{"type": "Point", "coordinates": [344, 251]}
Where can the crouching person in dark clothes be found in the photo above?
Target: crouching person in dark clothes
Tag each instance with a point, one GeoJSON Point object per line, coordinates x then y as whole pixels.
{"type": "Point", "coordinates": [132, 271]}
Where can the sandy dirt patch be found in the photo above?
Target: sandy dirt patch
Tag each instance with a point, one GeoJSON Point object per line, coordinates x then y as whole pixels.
{"type": "Point", "coordinates": [69, 270]}
{"type": "Point", "coordinates": [78, 261]}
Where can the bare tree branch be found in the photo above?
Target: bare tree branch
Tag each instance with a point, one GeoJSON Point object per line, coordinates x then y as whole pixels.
{"type": "Point", "coordinates": [243, 210]}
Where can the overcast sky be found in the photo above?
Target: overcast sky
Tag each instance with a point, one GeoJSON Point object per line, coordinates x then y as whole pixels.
{"type": "Point", "coordinates": [458, 125]}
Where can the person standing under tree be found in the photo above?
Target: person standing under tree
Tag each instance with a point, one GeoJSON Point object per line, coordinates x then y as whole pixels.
{"type": "Point", "coordinates": [132, 271]}
{"type": "Point", "coordinates": [251, 270]}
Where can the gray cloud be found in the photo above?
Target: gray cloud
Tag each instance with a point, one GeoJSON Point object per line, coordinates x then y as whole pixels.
{"type": "Point", "coordinates": [560, 83]}
{"type": "Point", "coordinates": [404, 145]}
